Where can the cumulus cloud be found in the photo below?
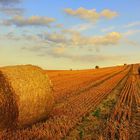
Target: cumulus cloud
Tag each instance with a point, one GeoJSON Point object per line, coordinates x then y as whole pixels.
{"type": "Point", "coordinates": [108, 14]}
{"type": "Point", "coordinates": [57, 45]}
{"type": "Point", "coordinates": [83, 13]}
{"type": "Point", "coordinates": [17, 37]}
{"type": "Point", "coordinates": [69, 38]}
{"type": "Point", "coordinates": [92, 14]}
{"type": "Point", "coordinates": [55, 37]}
{"type": "Point", "coordinates": [109, 39]}
{"type": "Point", "coordinates": [31, 21]}
{"type": "Point", "coordinates": [76, 39]}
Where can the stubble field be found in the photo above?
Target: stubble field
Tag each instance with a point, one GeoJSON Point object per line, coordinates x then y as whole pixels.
{"type": "Point", "coordinates": [98, 104]}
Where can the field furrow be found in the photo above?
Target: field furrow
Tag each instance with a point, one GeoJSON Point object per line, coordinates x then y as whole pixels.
{"type": "Point", "coordinates": [119, 125]}
{"type": "Point", "coordinates": [80, 83]}
{"type": "Point", "coordinates": [67, 114]}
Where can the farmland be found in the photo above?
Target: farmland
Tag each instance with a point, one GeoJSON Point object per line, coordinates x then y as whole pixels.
{"type": "Point", "coordinates": [100, 104]}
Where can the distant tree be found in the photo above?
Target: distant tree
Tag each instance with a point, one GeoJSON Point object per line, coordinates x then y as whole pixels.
{"type": "Point", "coordinates": [139, 70]}
{"type": "Point", "coordinates": [125, 64]}
{"type": "Point", "coordinates": [71, 69]}
{"type": "Point", "coordinates": [96, 67]}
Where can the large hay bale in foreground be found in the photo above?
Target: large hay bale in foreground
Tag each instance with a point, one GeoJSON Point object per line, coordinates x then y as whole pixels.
{"type": "Point", "coordinates": [25, 95]}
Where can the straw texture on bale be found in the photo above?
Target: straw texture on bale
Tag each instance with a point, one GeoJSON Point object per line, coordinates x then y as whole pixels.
{"type": "Point", "coordinates": [25, 95]}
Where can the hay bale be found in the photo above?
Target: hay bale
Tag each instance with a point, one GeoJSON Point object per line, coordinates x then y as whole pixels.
{"type": "Point", "coordinates": [25, 95]}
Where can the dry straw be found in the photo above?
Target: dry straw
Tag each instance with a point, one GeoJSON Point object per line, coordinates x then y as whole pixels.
{"type": "Point", "coordinates": [25, 95]}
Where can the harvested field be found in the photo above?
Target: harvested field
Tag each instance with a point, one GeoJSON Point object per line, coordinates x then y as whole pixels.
{"type": "Point", "coordinates": [68, 83]}
{"type": "Point", "coordinates": [94, 104]}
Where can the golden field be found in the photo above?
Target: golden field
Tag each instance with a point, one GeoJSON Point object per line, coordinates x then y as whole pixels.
{"type": "Point", "coordinates": [95, 104]}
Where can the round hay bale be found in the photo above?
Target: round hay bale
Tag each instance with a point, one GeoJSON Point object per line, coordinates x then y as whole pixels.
{"type": "Point", "coordinates": [25, 95]}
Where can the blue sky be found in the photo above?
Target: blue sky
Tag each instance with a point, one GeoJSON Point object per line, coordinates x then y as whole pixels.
{"type": "Point", "coordinates": [68, 34]}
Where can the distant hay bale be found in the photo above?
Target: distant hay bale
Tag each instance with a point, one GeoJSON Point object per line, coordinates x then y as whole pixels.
{"type": "Point", "coordinates": [25, 95]}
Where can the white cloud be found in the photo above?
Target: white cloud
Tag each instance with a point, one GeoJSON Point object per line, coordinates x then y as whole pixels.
{"type": "Point", "coordinates": [68, 38]}
{"type": "Point", "coordinates": [74, 38]}
{"type": "Point", "coordinates": [92, 14]}
{"type": "Point", "coordinates": [31, 21]}
{"type": "Point", "coordinates": [56, 37]}
{"type": "Point", "coordinates": [106, 13]}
